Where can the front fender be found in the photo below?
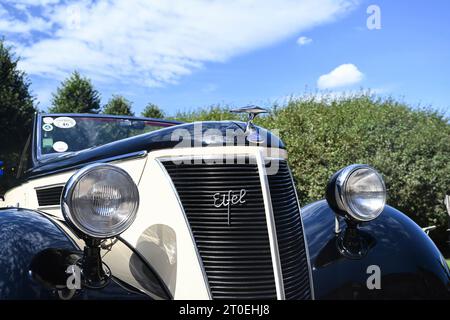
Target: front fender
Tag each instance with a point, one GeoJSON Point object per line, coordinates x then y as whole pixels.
{"type": "Point", "coordinates": [27, 234]}
{"type": "Point", "coordinates": [410, 265]}
{"type": "Point", "coordinates": [23, 234]}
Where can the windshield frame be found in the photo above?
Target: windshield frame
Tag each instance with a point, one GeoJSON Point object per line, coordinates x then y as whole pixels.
{"type": "Point", "coordinates": [37, 155]}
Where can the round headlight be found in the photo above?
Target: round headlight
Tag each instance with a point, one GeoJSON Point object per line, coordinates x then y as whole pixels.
{"type": "Point", "coordinates": [359, 191]}
{"type": "Point", "coordinates": [100, 200]}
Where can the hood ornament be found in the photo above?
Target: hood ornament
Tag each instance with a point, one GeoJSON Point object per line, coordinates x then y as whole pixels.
{"type": "Point", "coordinates": [250, 130]}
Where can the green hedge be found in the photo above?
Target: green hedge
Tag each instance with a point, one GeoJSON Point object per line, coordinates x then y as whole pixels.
{"type": "Point", "coordinates": [410, 147]}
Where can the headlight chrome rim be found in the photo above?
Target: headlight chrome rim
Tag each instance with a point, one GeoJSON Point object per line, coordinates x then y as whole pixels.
{"type": "Point", "coordinates": [342, 196]}
{"type": "Point", "coordinates": [67, 202]}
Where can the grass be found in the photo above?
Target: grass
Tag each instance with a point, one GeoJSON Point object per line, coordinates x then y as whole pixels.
{"type": "Point", "coordinates": [448, 262]}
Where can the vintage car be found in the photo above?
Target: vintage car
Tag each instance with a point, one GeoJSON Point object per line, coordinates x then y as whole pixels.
{"type": "Point", "coordinates": [112, 207]}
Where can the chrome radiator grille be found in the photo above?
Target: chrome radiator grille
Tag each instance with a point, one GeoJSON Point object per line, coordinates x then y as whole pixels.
{"type": "Point", "coordinates": [236, 257]}
{"type": "Point", "coordinates": [233, 241]}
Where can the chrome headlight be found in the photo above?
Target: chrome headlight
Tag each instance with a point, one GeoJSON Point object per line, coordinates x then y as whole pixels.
{"type": "Point", "coordinates": [100, 200]}
{"type": "Point", "coordinates": [358, 191]}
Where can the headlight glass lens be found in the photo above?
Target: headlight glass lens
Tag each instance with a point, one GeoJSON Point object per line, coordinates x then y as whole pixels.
{"type": "Point", "coordinates": [102, 202]}
{"type": "Point", "coordinates": [365, 194]}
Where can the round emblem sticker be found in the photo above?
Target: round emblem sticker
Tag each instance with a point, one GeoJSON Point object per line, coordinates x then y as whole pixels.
{"type": "Point", "coordinates": [48, 120]}
{"type": "Point", "coordinates": [64, 122]}
{"type": "Point", "coordinates": [60, 146]}
{"type": "Point", "coordinates": [47, 127]}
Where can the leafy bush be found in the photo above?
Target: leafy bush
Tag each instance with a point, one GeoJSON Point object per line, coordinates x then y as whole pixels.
{"type": "Point", "coordinates": [411, 148]}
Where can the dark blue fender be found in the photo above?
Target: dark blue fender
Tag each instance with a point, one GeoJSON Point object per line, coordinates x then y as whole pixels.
{"type": "Point", "coordinates": [23, 235]}
{"type": "Point", "coordinates": [410, 265]}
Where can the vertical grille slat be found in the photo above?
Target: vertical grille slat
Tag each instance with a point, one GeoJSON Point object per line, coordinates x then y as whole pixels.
{"type": "Point", "coordinates": [291, 243]}
{"type": "Point", "coordinates": [237, 257]}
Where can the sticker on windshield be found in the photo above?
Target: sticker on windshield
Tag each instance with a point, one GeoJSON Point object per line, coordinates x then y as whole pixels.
{"type": "Point", "coordinates": [47, 143]}
{"type": "Point", "coordinates": [60, 146]}
{"type": "Point", "coordinates": [47, 127]}
{"type": "Point", "coordinates": [48, 120]}
{"type": "Point", "coordinates": [64, 122]}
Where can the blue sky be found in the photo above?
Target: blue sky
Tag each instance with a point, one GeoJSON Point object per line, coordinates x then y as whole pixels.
{"type": "Point", "coordinates": [193, 53]}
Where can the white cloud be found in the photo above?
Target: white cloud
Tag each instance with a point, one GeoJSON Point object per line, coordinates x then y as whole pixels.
{"type": "Point", "coordinates": [342, 76]}
{"type": "Point", "coordinates": [151, 42]}
{"type": "Point", "coordinates": [302, 41]}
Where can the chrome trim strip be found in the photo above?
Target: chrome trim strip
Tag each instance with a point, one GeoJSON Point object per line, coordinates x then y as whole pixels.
{"type": "Point", "coordinates": [311, 284]}
{"type": "Point", "coordinates": [132, 155]}
{"type": "Point", "coordinates": [50, 207]}
{"type": "Point", "coordinates": [276, 263]}
{"type": "Point", "coordinates": [49, 186]}
{"type": "Point", "coordinates": [208, 157]}
{"type": "Point", "coordinates": [37, 129]}
{"type": "Point", "coordinates": [200, 261]}
{"type": "Point", "coordinates": [217, 156]}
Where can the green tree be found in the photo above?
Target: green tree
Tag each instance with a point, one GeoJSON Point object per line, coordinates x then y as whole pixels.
{"type": "Point", "coordinates": [153, 111]}
{"type": "Point", "coordinates": [76, 95]}
{"type": "Point", "coordinates": [16, 112]}
{"type": "Point", "coordinates": [118, 105]}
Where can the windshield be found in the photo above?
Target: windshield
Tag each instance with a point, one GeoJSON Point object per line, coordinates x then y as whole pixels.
{"type": "Point", "coordinates": [63, 134]}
